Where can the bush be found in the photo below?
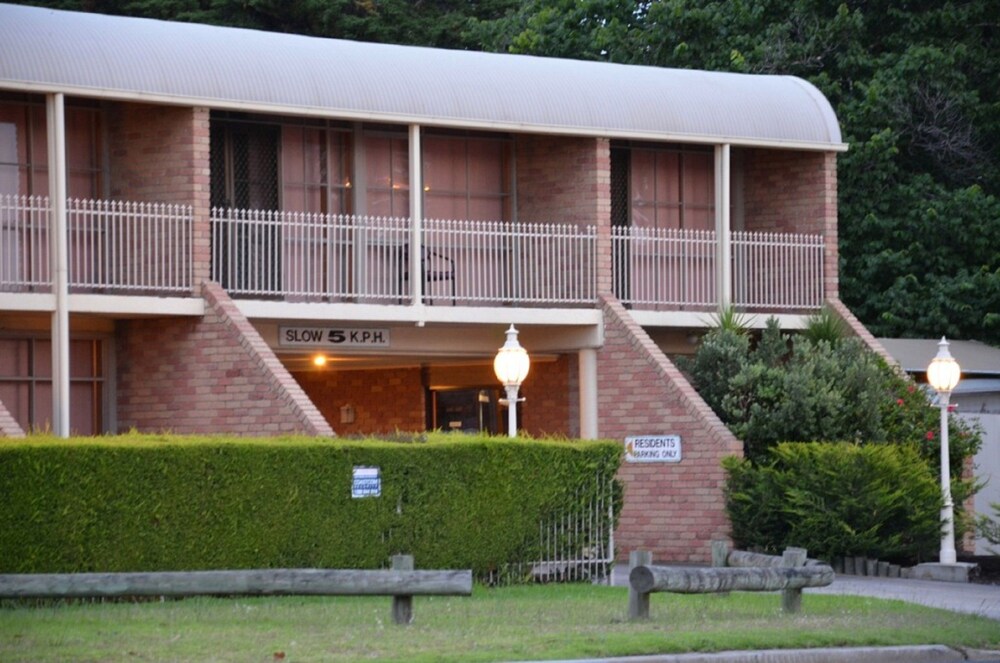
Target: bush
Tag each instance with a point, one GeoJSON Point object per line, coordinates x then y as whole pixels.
{"type": "Point", "coordinates": [836, 499]}
{"type": "Point", "coordinates": [796, 389]}
{"type": "Point", "coordinates": [153, 503]}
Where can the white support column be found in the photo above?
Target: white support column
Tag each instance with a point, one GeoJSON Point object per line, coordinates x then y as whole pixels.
{"type": "Point", "coordinates": [58, 262]}
{"type": "Point", "coordinates": [724, 252]}
{"type": "Point", "coordinates": [416, 216]}
{"type": "Point", "coordinates": [359, 198]}
{"type": "Point", "coordinates": [587, 359]}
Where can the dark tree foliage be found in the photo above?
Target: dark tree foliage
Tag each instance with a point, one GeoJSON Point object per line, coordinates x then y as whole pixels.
{"type": "Point", "coordinates": [914, 85]}
{"type": "Point", "coordinates": [440, 23]}
{"type": "Point", "coordinates": [915, 88]}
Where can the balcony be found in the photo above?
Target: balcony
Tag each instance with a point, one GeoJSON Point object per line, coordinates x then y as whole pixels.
{"type": "Point", "coordinates": [114, 247]}
{"type": "Point", "coordinates": [133, 248]}
{"type": "Point", "coordinates": [347, 258]}
{"type": "Point", "coordinates": [667, 269]}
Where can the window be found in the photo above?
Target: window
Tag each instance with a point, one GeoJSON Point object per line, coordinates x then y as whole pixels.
{"type": "Point", "coordinates": [24, 150]}
{"type": "Point", "coordinates": [466, 178]}
{"type": "Point", "coordinates": [315, 169]}
{"type": "Point", "coordinates": [387, 174]}
{"type": "Point", "coordinates": [672, 188]}
{"type": "Point", "coordinates": [244, 163]}
{"type": "Point", "coordinates": [26, 383]}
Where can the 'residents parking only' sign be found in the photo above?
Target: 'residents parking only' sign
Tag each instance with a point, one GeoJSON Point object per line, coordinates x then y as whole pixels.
{"type": "Point", "coordinates": [653, 449]}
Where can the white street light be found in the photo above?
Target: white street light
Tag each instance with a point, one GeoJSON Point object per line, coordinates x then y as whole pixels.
{"type": "Point", "coordinates": [511, 367]}
{"type": "Point", "coordinates": [943, 374]}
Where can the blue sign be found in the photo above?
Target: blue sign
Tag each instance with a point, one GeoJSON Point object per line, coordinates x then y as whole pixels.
{"type": "Point", "coordinates": [367, 482]}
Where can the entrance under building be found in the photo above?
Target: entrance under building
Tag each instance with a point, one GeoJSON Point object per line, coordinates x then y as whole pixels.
{"type": "Point", "coordinates": [362, 397]}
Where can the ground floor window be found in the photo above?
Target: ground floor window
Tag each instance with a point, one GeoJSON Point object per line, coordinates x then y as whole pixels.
{"type": "Point", "coordinates": [26, 383]}
{"type": "Point", "coordinates": [464, 410]}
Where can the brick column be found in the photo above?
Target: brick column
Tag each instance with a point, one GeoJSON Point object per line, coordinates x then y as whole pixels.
{"type": "Point", "coordinates": [674, 510]}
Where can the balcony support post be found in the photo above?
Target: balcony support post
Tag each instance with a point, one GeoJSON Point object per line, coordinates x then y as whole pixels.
{"type": "Point", "coordinates": [416, 217]}
{"type": "Point", "coordinates": [723, 236]}
{"type": "Point", "coordinates": [55, 112]}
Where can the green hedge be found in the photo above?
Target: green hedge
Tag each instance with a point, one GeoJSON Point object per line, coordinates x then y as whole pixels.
{"type": "Point", "coordinates": [836, 499]}
{"type": "Point", "coordinates": [149, 503]}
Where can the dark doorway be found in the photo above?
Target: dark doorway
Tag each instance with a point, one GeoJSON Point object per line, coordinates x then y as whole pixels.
{"type": "Point", "coordinates": [472, 410]}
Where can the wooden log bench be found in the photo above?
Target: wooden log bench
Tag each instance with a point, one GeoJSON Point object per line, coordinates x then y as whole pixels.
{"type": "Point", "coordinates": [646, 578]}
{"type": "Point", "coordinates": [400, 582]}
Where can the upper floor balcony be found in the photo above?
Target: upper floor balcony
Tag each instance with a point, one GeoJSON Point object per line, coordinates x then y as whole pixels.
{"type": "Point", "coordinates": [133, 248]}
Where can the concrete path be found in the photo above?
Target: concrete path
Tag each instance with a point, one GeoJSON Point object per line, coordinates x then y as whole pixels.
{"type": "Point", "coordinates": [959, 597]}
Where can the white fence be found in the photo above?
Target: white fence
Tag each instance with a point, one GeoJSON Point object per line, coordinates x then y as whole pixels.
{"type": "Point", "coordinates": [668, 268]}
{"type": "Point", "coordinates": [367, 259]}
{"type": "Point", "coordinates": [123, 246]}
{"type": "Point", "coordinates": [24, 243]}
{"type": "Point", "coordinates": [112, 245]}
{"type": "Point", "coordinates": [777, 270]}
{"type": "Point", "coordinates": [664, 268]}
{"type": "Point", "coordinates": [577, 544]}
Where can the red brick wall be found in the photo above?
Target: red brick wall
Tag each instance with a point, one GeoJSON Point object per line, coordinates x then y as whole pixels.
{"type": "Point", "coordinates": [390, 400]}
{"type": "Point", "coordinates": [213, 374]}
{"type": "Point", "coordinates": [161, 154]}
{"type": "Point", "coordinates": [567, 180]}
{"type": "Point", "coordinates": [549, 390]}
{"type": "Point", "coordinates": [794, 192]}
{"type": "Point", "coordinates": [673, 510]}
{"type": "Point", "coordinates": [384, 400]}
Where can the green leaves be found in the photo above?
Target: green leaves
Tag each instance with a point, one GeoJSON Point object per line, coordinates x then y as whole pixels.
{"type": "Point", "coordinates": [835, 500]}
{"type": "Point", "coordinates": [139, 502]}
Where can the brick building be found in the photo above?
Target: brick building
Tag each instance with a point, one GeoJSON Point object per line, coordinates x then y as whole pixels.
{"type": "Point", "coordinates": [190, 216]}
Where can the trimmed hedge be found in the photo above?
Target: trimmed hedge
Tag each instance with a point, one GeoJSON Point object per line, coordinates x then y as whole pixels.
{"type": "Point", "coordinates": [836, 499]}
{"type": "Point", "coordinates": [164, 502]}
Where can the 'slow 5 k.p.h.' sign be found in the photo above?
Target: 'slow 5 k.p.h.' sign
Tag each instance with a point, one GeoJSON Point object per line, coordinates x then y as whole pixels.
{"type": "Point", "coordinates": [333, 337]}
{"type": "Point", "coordinates": [653, 449]}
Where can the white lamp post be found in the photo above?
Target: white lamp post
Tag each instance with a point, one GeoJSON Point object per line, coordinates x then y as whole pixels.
{"type": "Point", "coordinates": [511, 366]}
{"type": "Point", "coordinates": [943, 374]}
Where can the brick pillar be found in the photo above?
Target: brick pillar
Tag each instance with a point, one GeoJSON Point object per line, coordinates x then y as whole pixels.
{"type": "Point", "coordinates": [568, 180]}
{"type": "Point", "coordinates": [790, 191]}
{"type": "Point", "coordinates": [161, 154]}
{"type": "Point", "coordinates": [674, 510]}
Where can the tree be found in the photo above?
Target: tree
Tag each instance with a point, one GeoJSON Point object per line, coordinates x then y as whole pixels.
{"type": "Point", "coordinates": [914, 86]}
{"type": "Point", "coordinates": [439, 23]}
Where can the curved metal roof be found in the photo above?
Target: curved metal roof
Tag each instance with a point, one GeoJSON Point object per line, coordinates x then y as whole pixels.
{"type": "Point", "coordinates": [129, 58]}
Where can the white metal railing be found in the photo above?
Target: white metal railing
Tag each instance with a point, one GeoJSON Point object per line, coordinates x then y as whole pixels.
{"type": "Point", "coordinates": [366, 259]}
{"type": "Point", "coordinates": [575, 544]}
{"type": "Point", "coordinates": [130, 245]}
{"type": "Point", "coordinates": [777, 270]}
{"type": "Point", "coordinates": [500, 262]}
{"type": "Point", "coordinates": [670, 268]}
{"type": "Point", "coordinates": [24, 243]}
{"type": "Point", "coordinates": [664, 267]}
{"type": "Point", "coordinates": [310, 256]}
{"type": "Point", "coordinates": [112, 245]}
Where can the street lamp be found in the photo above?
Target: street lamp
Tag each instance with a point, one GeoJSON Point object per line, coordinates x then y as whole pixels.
{"type": "Point", "coordinates": [943, 374]}
{"type": "Point", "coordinates": [511, 366]}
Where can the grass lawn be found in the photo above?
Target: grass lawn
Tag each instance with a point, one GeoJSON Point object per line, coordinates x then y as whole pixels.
{"type": "Point", "coordinates": [533, 622]}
